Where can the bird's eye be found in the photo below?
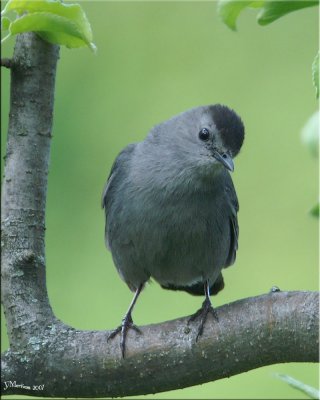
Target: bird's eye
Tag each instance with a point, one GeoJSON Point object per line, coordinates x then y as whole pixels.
{"type": "Point", "coordinates": [204, 134]}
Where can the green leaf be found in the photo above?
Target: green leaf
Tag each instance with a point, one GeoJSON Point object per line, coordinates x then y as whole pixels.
{"type": "Point", "coordinates": [54, 21]}
{"type": "Point", "coordinates": [5, 23]}
{"type": "Point", "coordinates": [229, 10]}
{"type": "Point", "coordinates": [310, 134]}
{"type": "Point", "coordinates": [315, 212]}
{"type": "Point", "coordinates": [311, 392]}
{"type": "Point", "coordinates": [273, 10]}
{"type": "Point", "coordinates": [315, 74]}
{"type": "Point", "coordinates": [54, 28]}
{"type": "Point", "coordinates": [73, 12]}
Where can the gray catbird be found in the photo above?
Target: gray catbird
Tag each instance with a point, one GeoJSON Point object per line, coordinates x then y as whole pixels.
{"type": "Point", "coordinates": [171, 207]}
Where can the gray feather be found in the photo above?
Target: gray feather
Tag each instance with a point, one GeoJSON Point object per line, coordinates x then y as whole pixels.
{"type": "Point", "coordinates": [171, 208]}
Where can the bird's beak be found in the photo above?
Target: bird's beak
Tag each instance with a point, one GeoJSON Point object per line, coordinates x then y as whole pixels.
{"type": "Point", "coordinates": [225, 160]}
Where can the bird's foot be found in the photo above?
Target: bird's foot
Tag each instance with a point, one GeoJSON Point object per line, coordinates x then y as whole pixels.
{"type": "Point", "coordinates": [126, 324]}
{"type": "Point", "coordinates": [203, 314]}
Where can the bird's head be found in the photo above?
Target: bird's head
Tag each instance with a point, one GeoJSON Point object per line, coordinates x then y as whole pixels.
{"type": "Point", "coordinates": [221, 132]}
{"type": "Point", "coordinates": [208, 137]}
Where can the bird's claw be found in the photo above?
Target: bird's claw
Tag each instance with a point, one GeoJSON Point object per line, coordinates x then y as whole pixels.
{"type": "Point", "coordinates": [203, 314]}
{"type": "Point", "coordinates": [126, 324]}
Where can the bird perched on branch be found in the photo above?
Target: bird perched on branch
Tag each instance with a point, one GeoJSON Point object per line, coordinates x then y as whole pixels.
{"type": "Point", "coordinates": [171, 207]}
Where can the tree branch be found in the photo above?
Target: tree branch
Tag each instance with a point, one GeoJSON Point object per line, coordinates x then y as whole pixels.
{"type": "Point", "coordinates": [273, 328]}
{"type": "Point", "coordinates": [24, 294]}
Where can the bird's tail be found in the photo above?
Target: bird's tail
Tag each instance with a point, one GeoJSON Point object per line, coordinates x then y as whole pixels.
{"type": "Point", "coordinates": [198, 288]}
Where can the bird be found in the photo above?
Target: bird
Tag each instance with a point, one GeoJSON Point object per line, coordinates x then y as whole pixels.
{"type": "Point", "coordinates": [171, 208]}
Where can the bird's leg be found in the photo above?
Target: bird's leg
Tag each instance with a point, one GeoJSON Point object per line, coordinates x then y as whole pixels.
{"type": "Point", "coordinates": [203, 312]}
{"type": "Point", "coordinates": [126, 324]}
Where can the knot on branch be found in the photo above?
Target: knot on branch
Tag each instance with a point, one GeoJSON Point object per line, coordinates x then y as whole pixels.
{"type": "Point", "coordinates": [7, 63]}
{"type": "Point", "coordinates": [24, 261]}
{"type": "Point", "coordinates": [25, 258]}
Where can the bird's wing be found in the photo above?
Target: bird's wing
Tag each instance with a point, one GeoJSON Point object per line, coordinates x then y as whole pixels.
{"type": "Point", "coordinates": [233, 221]}
{"type": "Point", "coordinates": [119, 170]}
{"type": "Point", "coordinates": [119, 164]}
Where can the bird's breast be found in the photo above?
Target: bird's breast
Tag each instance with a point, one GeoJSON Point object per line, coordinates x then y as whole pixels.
{"type": "Point", "coordinates": [179, 238]}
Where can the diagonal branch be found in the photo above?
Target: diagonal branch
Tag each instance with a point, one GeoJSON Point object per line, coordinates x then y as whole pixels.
{"type": "Point", "coordinates": [273, 328]}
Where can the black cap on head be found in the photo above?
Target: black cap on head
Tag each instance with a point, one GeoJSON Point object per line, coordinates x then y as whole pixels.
{"type": "Point", "coordinates": [230, 126]}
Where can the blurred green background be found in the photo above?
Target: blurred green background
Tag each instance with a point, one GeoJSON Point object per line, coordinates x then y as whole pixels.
{"type": "Point", "coordinates": [156, 59]}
